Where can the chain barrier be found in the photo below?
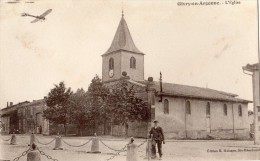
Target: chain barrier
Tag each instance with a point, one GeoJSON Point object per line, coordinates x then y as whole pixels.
{"type": "Point", "coordinates": [26, 152]}
{"type": "Point", "coordinates": [141, 144]}
{"type": "Point", "coordinates": [23, 154]}
{"type": "Point", "coordinates": [120, 150]}
{"type": "Point", "coordinates": [105, 138]}
{"type": "Point", "coordinates": [110, 147]}
{"type": "Point", "coordinates": [48, 156]}
{"type": "Point", "coordinates": [118, 153]}
{"type": "Point", "coordinates": [7, 139]}
{"type": "Point", "coordinates": [76, 145]}
{"type": "Point", "coordinates": [44, 143]}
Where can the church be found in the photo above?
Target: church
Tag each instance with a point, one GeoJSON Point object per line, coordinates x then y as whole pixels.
{"type": "Point", "coordinates": [184, 112]}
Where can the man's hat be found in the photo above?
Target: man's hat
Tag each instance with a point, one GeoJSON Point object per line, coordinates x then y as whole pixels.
{"type": "Point", "coordinates": [155, 121]}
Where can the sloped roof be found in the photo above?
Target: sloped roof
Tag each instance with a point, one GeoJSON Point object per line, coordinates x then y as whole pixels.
{"type": "Point", "coordinates": [15, 105]}
{"type": "Point", "coordinates": [123, 40]}
{"type": "Point", "coordinates": [171, 89]}
{"type": "Point", "coordinates": [34, 102]}
{"type": "Point", "coordinates": [12, 109]}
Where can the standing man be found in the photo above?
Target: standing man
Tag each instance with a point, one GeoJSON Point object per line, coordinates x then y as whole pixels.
{"type": "Point", "coordinates": [156, 133]}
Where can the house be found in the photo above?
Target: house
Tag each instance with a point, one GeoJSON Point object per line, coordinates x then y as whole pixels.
{"type": "Point", "coordinates": [9, 117]}
{"type": "Point", "coordinates": [25, 117]}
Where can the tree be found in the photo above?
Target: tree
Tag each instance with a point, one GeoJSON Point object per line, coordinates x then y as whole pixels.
{"type": "Point", "coordinates": [79, 110]}
{"type": "Point", "coordinates": [57, 102]}
{"type": "Point", "coordinates": [123, 105]}
{"type": "Point", "coordinates": [97, 94]}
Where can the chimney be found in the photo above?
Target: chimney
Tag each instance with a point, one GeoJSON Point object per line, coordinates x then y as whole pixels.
{"type": "Point", "coordinates": [7, 105]}
{"type": "Point", "coordinates": [160, 86]}
{"type": "Point", "coordinates": [160, 81]}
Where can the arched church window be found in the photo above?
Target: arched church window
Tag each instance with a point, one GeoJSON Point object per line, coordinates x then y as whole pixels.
{"type": "Point", "coordinates": [225, 109]}
{"type": "Point", "coordinates": [132, 63]}
{"type": "Point", "coordinates": [187, 107]}
{"type": "Point", "coordinates": [111, 63]}
{"type": "Point", "coordinates": [240, 110]}
{"type": "Point", "coordinates": [166, 107]}
{"type": "Point", "coordinates": [208, 109]}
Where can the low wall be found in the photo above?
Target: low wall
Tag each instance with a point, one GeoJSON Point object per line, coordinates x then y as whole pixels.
{"type": "Point", "coordinates": [138, 129]}
{"type": "Point", "coordinates": [54, 129]}
{"type": "Point", "coordinates": [135, 129]}
{"type": "Point", "coordinates": [214, 134]}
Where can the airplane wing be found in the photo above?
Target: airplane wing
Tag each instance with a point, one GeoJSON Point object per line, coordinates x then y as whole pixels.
{"type": "Point", "coordinates": [35, 20]}
{"type": "Point", "coordinates": [46, 13]}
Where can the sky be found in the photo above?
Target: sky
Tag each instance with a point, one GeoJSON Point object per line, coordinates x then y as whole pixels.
{"type": "Point", "coordinates": [204, 46]}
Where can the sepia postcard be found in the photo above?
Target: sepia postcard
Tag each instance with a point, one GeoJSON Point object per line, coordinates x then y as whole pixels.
{"type": "Point", "coordinates": [129, 80]}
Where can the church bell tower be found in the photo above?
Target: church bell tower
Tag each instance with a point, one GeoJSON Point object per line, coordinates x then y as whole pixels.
{"type": "Point", "coordinates": [122, 56]}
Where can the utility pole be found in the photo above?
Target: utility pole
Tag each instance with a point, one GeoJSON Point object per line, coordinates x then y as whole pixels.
{"type": "Point", "coordinates": [257, 103]}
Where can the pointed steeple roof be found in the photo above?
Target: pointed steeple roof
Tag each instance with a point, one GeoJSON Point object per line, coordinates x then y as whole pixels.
{"type": "Point", "coordinates": [122, 39]}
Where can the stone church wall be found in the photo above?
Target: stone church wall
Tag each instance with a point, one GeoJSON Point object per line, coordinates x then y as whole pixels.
{"type": "Point", "coordinates": [194, 126]}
